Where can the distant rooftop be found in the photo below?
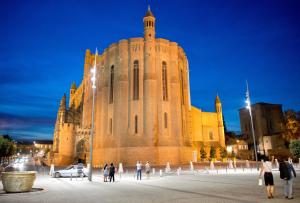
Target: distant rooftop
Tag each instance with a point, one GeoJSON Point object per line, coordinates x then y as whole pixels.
{"type": "Point", "coordinates": [43, 141]}
{"type": "Point", "coordinates": [260, 104]}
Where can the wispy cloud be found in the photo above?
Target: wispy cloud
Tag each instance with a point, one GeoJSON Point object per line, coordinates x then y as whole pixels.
{"type": "Point", "coordinates": [29, 127]}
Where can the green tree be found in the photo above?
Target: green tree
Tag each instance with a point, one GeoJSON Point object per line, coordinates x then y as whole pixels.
{"type": "Point", "coordinates": [292, 125]}
{"type": "Point", "coordinates": [212, 152]}
{"type": "Point", "coordinates": [295, 148]}
{"type": "Point", "coordinates": [203, 153]}
{"type": "Point", "coordinates": [223, 153]}
{"type": "Point", "coordinates": [233, 155]}
{"type": "Point", "coordinates": [7, 148]}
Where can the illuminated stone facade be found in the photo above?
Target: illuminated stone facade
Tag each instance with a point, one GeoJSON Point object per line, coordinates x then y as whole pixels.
{"type": "Point", "coordinates": [142, 107]}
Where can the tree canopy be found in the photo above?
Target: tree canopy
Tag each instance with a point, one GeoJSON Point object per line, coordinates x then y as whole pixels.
{"type": "Point", "coordinates": [7, 147]}
{"type": "Point", "coordinates": [292, 125]}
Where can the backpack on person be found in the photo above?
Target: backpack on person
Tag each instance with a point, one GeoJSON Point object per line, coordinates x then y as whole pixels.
{"type": "Point", "coordinates": [284, 171]}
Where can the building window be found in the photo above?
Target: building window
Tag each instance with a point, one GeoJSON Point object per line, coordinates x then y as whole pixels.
{"type": "Point", "coordinates": [164, 81]}
{"type": "Point", "coordinates": [135, 80]}
{"type": "Point", "coordinates": [110, 126]}
{"type": "Point", "coordinates": [136, 124]}
{"type": "Point", "coordinates": [182, 90]}
{"type": "Point", "coordinates": [111, 91]}
{"type": "Point", "coordinates": [211, 135]}
{"type": "Point", "coordinates": [166, 119]}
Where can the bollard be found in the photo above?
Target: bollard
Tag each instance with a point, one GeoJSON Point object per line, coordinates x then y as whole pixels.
{"type": "Point", "coordinates": [51, 172]}
{"type": "Point", "coordinates": [178, 173]}
{"type": "Point", "coordinates": [191, 166]}
{"type": "Point", "coordinates": [160, 173]}
{"type": "Point", "coordinates": [153, 171]}
{"type": "Point", "coordinates": [71, 177]}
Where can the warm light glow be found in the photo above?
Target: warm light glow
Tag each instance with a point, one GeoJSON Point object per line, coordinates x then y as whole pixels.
{"type": "Point", "coordinates": [229, 149]}
{"type": "Point", "coordinates": [93, 77]}
{"type": "Point", "coordinates": [93, 72]}
{"type": "Point", "coordinates": [248, 104]}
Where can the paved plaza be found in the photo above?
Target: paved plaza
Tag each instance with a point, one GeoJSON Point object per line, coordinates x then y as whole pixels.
{"type": "Point", "coordinates": [239, 186]}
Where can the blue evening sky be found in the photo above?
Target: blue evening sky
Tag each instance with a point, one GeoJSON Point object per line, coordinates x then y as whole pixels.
{"type": "Point", "coordinates": [42, 46]}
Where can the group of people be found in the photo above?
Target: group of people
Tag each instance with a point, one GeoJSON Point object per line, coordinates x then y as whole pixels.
{"type": "Point", "coordinates": [139, 170]}
{"type": "Point", "coordinates": [109, 172]}
{"type": "Point", "coordinates": [287, 174]}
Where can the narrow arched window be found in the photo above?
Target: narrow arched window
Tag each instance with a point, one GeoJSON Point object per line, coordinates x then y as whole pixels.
{"type": "Point", "coordinates": [110, 126]}
{"type": "Point", "coordinates": [211, 135]}
{"type": "Point", "coordinates": [111, 91]}
{"type": "Point", "coordinates": [164, 81]}
{"type": "Point", "coordinates": [182, 90]}
{"type": "Point", "coordinates": [136, 124]}
{"type": "Point", "coordinates": [166, 119]}
{"type": "Point", "coordinates": [136, 80]}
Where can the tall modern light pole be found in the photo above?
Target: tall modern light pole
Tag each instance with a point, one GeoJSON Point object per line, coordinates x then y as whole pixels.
{"type": "Point", "coordinates": [93, 80]}
{"type": "Point", "coordinates": [248, 106]}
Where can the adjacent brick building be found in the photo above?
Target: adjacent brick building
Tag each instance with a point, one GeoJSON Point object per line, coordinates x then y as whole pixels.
{"type": "Point", "coordinates": [268, 123]}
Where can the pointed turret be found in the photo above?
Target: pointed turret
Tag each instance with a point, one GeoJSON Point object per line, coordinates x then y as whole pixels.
{"type": "Point", "coordinates": [218, 106]}
{"type": "Point", "coordinates": [217, 100]}
{"type": "Point", "coordinates": [63, 102]}
{"type": "Point", "coordinates": [73, 86]}
{"type": "Point", "coordinates": [149, 13]}
{"type": "Point", "coordinates": [87, 62]}
{"type": "Point", "coordinates": [72, 93]}
{"type": "Point", "coordinates": [149, 25]}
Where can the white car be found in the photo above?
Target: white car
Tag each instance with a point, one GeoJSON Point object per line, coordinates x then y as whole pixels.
{"type": "Point", "coordinates": [72, 170]}
{"type": "Point", "coordinates": [20, 162]}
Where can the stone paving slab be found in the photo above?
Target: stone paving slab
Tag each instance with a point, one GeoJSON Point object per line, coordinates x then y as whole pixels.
{"type": "Point", "coordinates": [172, 188]}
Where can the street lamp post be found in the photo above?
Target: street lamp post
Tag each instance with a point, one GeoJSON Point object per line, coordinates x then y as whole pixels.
{"type": "Point", "coordinates": [248, 102]}
{"type": "Point", "coordinates": [93, 80]}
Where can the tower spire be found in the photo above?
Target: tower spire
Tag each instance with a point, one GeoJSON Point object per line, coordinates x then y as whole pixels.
{"type": "Point", "coordinates": [217, 101]}
{"type": "Point", "coordinates": [149, 25]}
{"type": "Point", "coordinates": [63, 102]}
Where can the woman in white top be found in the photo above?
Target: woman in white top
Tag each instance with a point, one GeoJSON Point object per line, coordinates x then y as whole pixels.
{"type": "Point", "coordinates": [105, 172]}
{"type": "Point", "coordinates": [266, 168]}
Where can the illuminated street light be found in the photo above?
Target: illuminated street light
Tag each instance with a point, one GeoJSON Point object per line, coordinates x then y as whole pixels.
{"type": "Point", "coordinates": [248, 106]}
{"type": "Point", "coordinates": [93, 80]}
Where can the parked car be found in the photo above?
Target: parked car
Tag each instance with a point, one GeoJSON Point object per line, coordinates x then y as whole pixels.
{"type": "Point", "coordinates": [73, 170]}
{"type": "Point", "coordinates": [20, 162]}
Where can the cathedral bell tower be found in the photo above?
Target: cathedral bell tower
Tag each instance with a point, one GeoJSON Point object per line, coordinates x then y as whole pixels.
{"type": "Point", "coordinates": [149, 25]}
{"type": "Point", "coordinates": [220, 121]}
{"type": "Point", "coordinates": [150, 80]}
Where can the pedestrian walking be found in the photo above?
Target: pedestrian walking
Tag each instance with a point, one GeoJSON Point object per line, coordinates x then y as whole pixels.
{"type": "Point", "coordinates": [105, 172]}
{"type": "Point", "coordinates": [266, 168]}
{"type": "Point", "coordinates": [287, 173]}
{"type": "Point", "coordinates": [112, 172]}
{"type": "Point", "coordinates": [139, 170]}
{"type": "Point", "coordinates": [148, 169]}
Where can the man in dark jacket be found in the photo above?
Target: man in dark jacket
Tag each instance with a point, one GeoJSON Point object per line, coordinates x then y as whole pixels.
{"type": "Point", "coordinates": [112, 172]}
{"type": "Point", "coordinates": [287, 173]}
